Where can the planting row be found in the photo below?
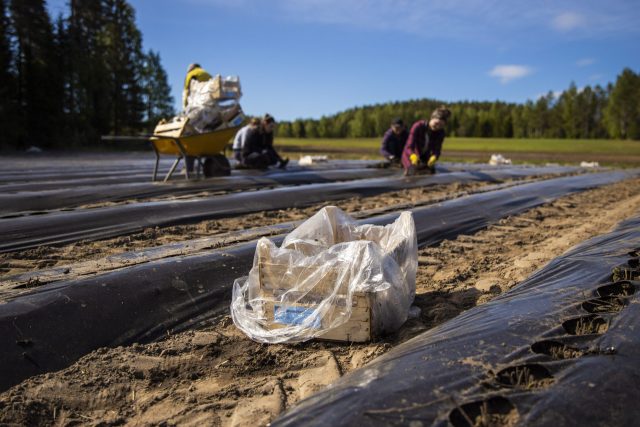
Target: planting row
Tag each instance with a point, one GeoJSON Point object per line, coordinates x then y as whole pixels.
{"type": "Point", "coordinates": [53, 325]}
{"type": "Point", "coordinates": [559, 349]}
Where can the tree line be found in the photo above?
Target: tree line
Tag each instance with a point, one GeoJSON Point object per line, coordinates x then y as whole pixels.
{"type": "Point", "coordinates": [591, 112]}
{"type": "Point", "coordinates": [66, 82]}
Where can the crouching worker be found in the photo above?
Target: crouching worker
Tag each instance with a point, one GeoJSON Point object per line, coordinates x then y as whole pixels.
{"type": "Point", "coordinates": [268, 128]}
{"type": "Point", "coordinates": [393, 142]}
{"type": "Point", "coordinates": [240, 138]}
{"type": "Point", "coordinates": [258, 151]}
{"type": "Point", "coordinates": [424, 144]}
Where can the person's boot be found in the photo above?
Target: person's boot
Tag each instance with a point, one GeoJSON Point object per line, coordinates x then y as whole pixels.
{"type": "Point", "coordinates": [283, 163]}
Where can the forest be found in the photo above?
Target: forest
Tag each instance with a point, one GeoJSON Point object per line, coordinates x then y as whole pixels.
{"type": "Point", "coordinates": [66, 82]}
{"type": "Point", "coordinates": [576, 113]}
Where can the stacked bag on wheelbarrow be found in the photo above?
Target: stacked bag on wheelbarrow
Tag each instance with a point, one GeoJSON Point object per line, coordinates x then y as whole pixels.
{"type": "Point", "coordinates": [213, 105]}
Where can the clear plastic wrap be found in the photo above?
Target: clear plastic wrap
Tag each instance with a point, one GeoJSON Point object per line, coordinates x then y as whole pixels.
{"type": "Point", "coordinates": [202, 109]}
{"type": "Point", "coordinates": [310, 284]}
{"type": "Point", "coordinates": [212, 103]}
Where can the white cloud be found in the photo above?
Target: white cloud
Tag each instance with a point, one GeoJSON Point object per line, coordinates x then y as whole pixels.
{"type": "Point", "coordinates": [585, 62]}
{"type": "Point", "coordinates": [506, 73]}
{"type": "Point", "coordinates": [568, 21]}
{"type": "Point", "coordinates": [495, 20]}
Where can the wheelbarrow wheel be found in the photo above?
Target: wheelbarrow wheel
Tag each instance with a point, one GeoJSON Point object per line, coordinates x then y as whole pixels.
{"type": "Point", "coordinates": [216, 165]}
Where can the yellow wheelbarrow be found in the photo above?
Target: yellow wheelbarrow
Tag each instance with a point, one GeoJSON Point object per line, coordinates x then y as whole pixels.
{"type": "Point", "coordinates": [207, 149]}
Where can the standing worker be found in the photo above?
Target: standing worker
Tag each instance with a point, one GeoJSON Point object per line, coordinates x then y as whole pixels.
{"type": "Point", "coordinates": [425, 143]}
{"type": "Point", "coordinates": [393, 141]}
{"type": "Point", "coordinates": [194, 72]}
{"type": "Point", "coordinates": [197, 73]}
{"type": "Point", "coordinates": [241, 137]}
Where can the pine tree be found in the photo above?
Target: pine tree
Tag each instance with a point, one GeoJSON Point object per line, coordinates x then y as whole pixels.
{"type": "Point", "coordinates": [7, 83]}
{"type": "Point", "coordinates": [623, 111]}
{"type": "Point", "coordinates": [297, 129]}
{"type": "Point", "coordinates": [124, 59]}
{"type": "Point", "coordinates": [85, 74]}
{"type": "Point", "coordinates": [37, 79]}
{"type": "Point", "coordinates": [311, 128]}
{"type": "Point", "coordinates": [157, 93]}
{"type": "Point", "coordinates": [601, 100]}
{"type": "Point", "coordinates": [284, 130]}
{"type": "Point", "coordinates": [568, 111]}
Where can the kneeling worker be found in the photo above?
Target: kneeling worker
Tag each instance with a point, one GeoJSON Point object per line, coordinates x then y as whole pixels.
{"type": "Point", "coordinates": [393, 141]}
{"type": "Point", "coordinates": [268, 129]}
{"type": "Point", "coordinates": [241, 137]}
{"type": "Point", "coordinates": [425, 143]}
{"type": "Point", "coordinates": [258, 151]}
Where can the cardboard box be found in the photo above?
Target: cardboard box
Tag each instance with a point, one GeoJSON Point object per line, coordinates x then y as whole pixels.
{"type": "Point", "coordinates": [277, 279]}
{"type": "Point", "coordinates": [225, 89]}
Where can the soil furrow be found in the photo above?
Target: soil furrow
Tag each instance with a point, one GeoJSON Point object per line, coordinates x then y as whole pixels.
{"type": "Point", "coordinates": [217, 376]}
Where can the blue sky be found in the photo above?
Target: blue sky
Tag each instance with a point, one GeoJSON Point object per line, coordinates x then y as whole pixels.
{"type": "Point", "coordinates": [308, 58]}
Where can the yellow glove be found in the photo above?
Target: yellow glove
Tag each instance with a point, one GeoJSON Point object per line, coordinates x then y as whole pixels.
{"type": "Point", "coordinates": [414, 159]}
{"type": "Point", "coordinates": [432, 161]}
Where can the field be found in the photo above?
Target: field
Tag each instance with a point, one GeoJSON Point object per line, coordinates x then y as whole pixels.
{"type": "Point", "coordinates": [606, 152]}
{"type": "Point", "coordinates": [115, 291]}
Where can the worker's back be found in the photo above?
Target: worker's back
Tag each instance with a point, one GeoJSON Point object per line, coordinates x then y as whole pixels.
{"type": "Point", "coordinates": [196, 73]}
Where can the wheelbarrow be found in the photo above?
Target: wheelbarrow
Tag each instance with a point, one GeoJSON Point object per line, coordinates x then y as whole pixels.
{"type": "Point", "coordinates": [207, 149]}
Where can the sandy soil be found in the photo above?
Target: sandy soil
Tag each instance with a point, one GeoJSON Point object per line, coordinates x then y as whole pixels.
{"type": "Point", "coordinates": [217, 376]}
{"type": "Point", "coordinates": [477, 156]}
{"type": "Point", "coordinates": [50, 256]}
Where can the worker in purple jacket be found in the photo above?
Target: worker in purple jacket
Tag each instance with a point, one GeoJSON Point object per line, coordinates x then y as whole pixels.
{"type": "Point", "coordinates": [424, 145]}
{"type": "Point", "coordinates": [393, 141]}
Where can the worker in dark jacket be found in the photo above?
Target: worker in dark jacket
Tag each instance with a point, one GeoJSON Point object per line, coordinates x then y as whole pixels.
{"type": "Point", "coordinates": [393, 141]}
{"type": "Point", "coordinates": [258, 151]}
{"type": "Point", "coordinates": [424, 144]}
{"type": "Point", "coordinates": [268, 128]}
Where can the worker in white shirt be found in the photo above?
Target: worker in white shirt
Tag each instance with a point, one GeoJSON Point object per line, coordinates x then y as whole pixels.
{"type": "Point", "coordinates": [241, 135]}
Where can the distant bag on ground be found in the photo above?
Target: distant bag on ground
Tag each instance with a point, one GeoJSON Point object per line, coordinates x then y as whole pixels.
{"type": "Point", "coordinates": [332, 279]}
{"type": "Point", "coordinates": [310, 160]}
{"type": "Point", "coordinates": [499, 159]}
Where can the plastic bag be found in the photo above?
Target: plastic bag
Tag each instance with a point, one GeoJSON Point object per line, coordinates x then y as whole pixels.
{"type": "Point", "coordinates": [202, 110]}
{"type": "Point", "coordinates": [210, 106]}
{"type": "Point", "coordinates": [308, 286]}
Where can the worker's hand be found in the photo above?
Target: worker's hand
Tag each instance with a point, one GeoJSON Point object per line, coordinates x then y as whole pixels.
{"type": "Point", "coordinates": [414, 159]}
{"type": "Point", "coordinates": [432, 161]}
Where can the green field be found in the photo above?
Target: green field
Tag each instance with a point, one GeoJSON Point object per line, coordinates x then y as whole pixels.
{"type": "Point", "coordinates": [612, 152]}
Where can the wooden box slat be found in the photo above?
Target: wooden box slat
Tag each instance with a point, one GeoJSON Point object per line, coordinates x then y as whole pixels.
{"type": "Point", "coordinates": [173, 129]}
{"type": "Point", "coordinates": [356, 329]}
